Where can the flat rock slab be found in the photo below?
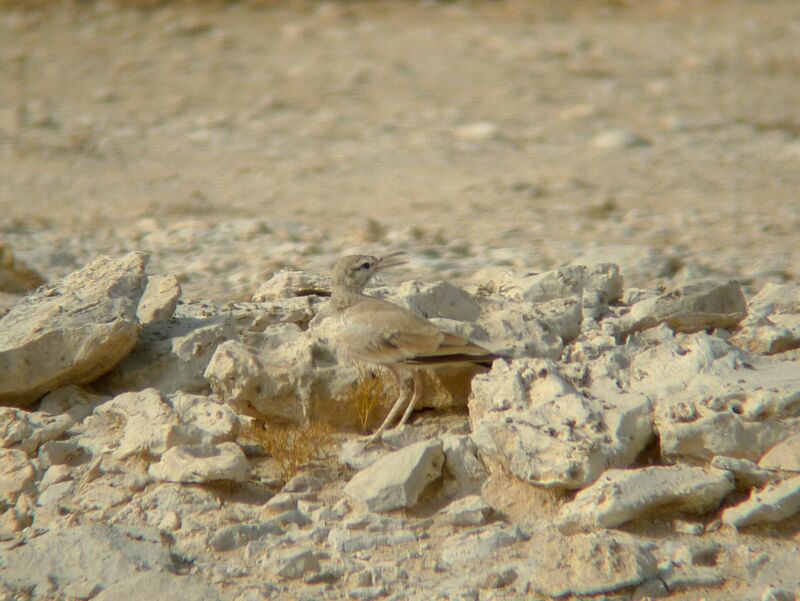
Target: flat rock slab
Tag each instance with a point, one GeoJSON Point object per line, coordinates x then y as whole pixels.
{"type": "Point", "coordinates": [396, 480]}
{"type": "Point", "coordinates": [774, 503]}
{"type": "Point", "coordinates": [585, 564]}
{"type": "Point", "coordinates": [783, 456]}
{"type": "Point", "coordinates": [698, 306]}
{"type": "Point", "coordinates": [562, 283]}
{"type": "Point", "coordinates": [90, 557]}
{"type": "Point", "coordinates": [73, 331]}
{"type": "Point", "coordinates": [527, 419]}
{"type": "Point", "coordinates": [159, 585]}
{"type": "Point", "coordinates": [202, 463]}
{"type": "Point", "coordinates": [711, 398]}
{"type": "Point", "coordinates": [622, 495]}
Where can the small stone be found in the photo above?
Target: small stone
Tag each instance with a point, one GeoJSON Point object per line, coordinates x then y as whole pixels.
{"type": "Point", "coordinates": [478, 131]}
{"type": "Point", "coordinates": [202, 463]}
{"type": "Point", "coordinates": [471, 510]}
{"type": "Point", "coordinates": [397, 480]}
{"type": "Point", "coordinates": [16, 473]}
{"type": "Point", "coordinates": [783, 456]}
{"type": "Point", "coordinates": [159, 299]}
{"type": "Point", "coordinates": [621, 495]}
{"type": "Point", "coordinates": [618, 138]}
{"type": "Point", "coordinates": [774, 503]}
{"type": "Point", "coordinates": [171, 521]}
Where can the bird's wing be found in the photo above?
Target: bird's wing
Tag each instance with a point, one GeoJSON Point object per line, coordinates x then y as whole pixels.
{"type": "Point", "coordinates": [377, 331]}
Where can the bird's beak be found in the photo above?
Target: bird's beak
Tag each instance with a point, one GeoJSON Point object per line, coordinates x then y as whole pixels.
{"type": "Point", "coordinates": [391, 260]}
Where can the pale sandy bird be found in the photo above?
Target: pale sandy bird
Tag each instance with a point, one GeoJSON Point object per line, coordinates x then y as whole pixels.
{"type": "Point", "coordinates": [374, 331]}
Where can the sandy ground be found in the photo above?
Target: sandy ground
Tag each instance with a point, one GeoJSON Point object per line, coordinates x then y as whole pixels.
{"type": "Point", "coordinates": [498, 124]}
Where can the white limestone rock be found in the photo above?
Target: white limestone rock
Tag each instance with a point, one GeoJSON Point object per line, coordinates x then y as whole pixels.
{"type": "Point", "coordinates": [461, 463]}
{"type": "Point", "coordinates": [474, 545]}
{"type": "Point", "coordinates": [216, 420]}
{"type": "Point", "coordinates": [295, 377]}
{"type": "Point", "coordinates": [584, 564]}
{"type": "Point", "coordinates": [623, 495]}
{"type": "Point", "coordinates": [527, 419]}
{"type": "Point", "coordinates": [16, 474]}
{"type": "Point", "coordinates": [73, 331]}
{"type": "Point", "coordinates": [713, 399]}
{"type": "Point", "coordinates": [747, 473]}
{"type": "Point", "coordinates": [775, 299]}
{"type": "Point", "coordinates": [90, 557]}
{"type": "Point", "coordinates": [159, 585]}
{"type": "Point", "coordinates": [293, 563]}
{"type": "Point", "coordinates": [783, 456]}
{"type": "Point", "coordinates": [699, 306]}
{"type": "Point", "coordinates": [561, 283]}
{"type": "Point", "coordinates": [434, 299]}
{"type": "Point", "coordinates": [288, 284]}
{"type": "Point", "coordinates": [774, 503]}
{"type": "Point", "coordinates": [171, 355]}
{"type": "Point", "coordinates": [397, 480]}
{"type": "Point", "coordinates": [471, 510]}
{"type": "Point", "coordinates": [159, 299]}
{"type": "Point", "coordinates": [202, 463]}
{"type": "Point", "coordinates": [136, 423]}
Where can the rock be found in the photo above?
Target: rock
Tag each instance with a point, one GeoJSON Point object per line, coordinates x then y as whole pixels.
{"type": "Point", "coordinates": [73, 331]}
{"type": "Point", "coordinates": [774, 503]}
{"type": "Point", "coordinates": [471, 510]}
{"type": "Point", "coordinates": [478, 131]}
{"type": "Point", "coordinates": [437, 299]}
{"type": "Point", "coordinates": [713, 399]}
{"type": "Point", "coordinates": [237, 535]}
{"type": "Point", "coordinates": [159, 585]}
{"type": "Point", "coordinates": [562, 283]}
{"type": "Point", "coordinates": [159, 299]}
{"type": "Point", "coordinates": [623, 495]}
{"type": "Point", "coordinates": [28, 431]}
{"type": "Point", "coordinates": [344, 540]}
{"type": "Point", "coordinates": [527, 419]}
{"type": "Point", "coordinates": [137, 423]}
{"type": "Point", "coordinates": [585, 564]}
{"type": "Point", "coordinates": [398, 479]}
{"type": "Point", "coordinates": [514, 331]}
{"type": "Point", "coordinates": [289, 284]}
{"type": "Point", "coordinates": [15, 276]}
{"type": "Point", "coordinates": [775, 299]}
{"type": "Point", "coordinates": [475, 545]}
{"type": "Point", "coordinates": [294, 563]}
{"type": "Point", "coordinates": [783, 456]}
{"type": "Point", "coordinates": [16, 474]}
{"type": "Point", "coordinates": [54, 493]}
{"type": "Point", "coordinates": [108, 555]}
{"type": "Point", "coordinates": [766, 337]}
{"type": "Point", "coordinates": [171, 355]}
{"type": "Point", "coordinates": [614, 139]}
{"type": "Point", "coordinates": [699, 306]}
{"type": "Point", "coordinates": [746, 473]}
{"type": "Point", "coordinates": [461, 462]}
{"type": "Point", "coordinates": [216, 421]}
{"type": "Point", "coordinates": [202, 463]}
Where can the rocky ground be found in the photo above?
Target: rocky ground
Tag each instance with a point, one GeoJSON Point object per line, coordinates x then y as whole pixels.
{"type": "Point", "coordinates": [604, 194]}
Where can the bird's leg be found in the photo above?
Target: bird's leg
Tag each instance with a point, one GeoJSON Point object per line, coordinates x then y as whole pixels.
{"type": "Point", "coordinates": [398, 404]}
{"type": "Point", "coordinates": [413, 401]}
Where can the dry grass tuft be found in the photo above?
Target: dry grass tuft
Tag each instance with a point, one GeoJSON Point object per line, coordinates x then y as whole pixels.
{"type": "Point", "coordinates": [368, 392]}
{"type": "Point", "coordinates": [291, 446]}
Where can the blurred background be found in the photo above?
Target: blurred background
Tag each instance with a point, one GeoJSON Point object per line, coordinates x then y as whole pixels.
{"type": "Point", "coordinates": [231, 139]}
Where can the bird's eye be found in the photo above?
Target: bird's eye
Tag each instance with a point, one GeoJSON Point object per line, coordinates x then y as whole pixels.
{"type": "Point", "coordinates": [365, 266]}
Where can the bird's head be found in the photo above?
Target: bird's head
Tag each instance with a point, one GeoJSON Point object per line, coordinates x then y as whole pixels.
{"type": "Point", "coordinates": [353, 272]}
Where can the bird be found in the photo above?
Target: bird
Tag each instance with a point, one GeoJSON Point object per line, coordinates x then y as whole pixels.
{"type": "Point", "coordinates": [374, 331]}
